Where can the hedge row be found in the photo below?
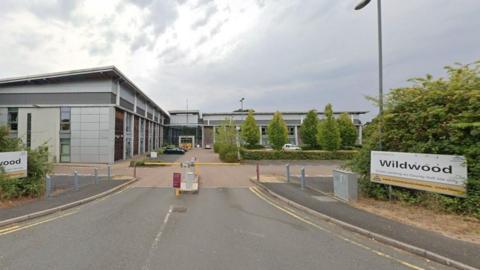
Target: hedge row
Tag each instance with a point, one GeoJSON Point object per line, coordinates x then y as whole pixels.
{"type": "Point", "coordinates": [297, 155]}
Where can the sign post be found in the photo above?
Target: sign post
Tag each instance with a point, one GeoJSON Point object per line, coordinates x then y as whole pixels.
{"type": "Point", "coordinates": [445, 174]}
{"type": "Point", "coordinates": [177, 179]}
{"type": "Point", "coordinates": [14, 164]}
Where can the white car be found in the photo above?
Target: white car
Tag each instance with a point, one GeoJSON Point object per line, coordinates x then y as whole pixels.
{"type": "Point", "coordinates": [290, 147]}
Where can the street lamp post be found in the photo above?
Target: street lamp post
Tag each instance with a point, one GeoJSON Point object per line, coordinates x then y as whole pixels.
{"type": "Point", "coordinates": [359, 6]}
{"type": "Point", "coordinates": [241, 103]}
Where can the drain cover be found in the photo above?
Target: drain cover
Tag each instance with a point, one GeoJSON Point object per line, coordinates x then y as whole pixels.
{"type": "Point", "coordinates": [179, 209]}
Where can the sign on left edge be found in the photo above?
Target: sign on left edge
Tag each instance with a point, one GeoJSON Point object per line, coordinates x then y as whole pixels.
{"type": "Point", "coordinates": [14, 164]}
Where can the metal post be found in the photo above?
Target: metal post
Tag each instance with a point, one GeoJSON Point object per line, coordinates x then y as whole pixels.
{"type": "Point", "coordinates": [258, 172]}
{"type": "Point", "coordinates": [288, 172]}
{"type": "Point", "coordinates": [380, 73]}
{"type": "Point", "coordinates": [135, 170]}
{"type": "Point", "coordinates": [75, 180]}
{"type": "Point", "coordinates": [95, 172]}
{"type": "Point", "coordinates": [109, 172]}
{"type": "Point", "coordinates": [302, 178]}
{"type": "Point", "coordinates": [48, 186]}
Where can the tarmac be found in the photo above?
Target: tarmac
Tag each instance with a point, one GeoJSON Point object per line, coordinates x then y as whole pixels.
{"type": "Point", "coordinates": [460, 251]}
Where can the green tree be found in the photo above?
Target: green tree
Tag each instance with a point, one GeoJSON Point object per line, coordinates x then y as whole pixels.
{"type": "Point", "coordinates": [226, 141]}
{"type": "Point", "coordinates": [436, 116]}
{"type": "Point", "coordinates": [277, 131]}
{"type": "Point", "coordinates": [328, 135]}
{"type": "Point", "coordinates": [309, 128]}
{"type": "Point", "coordinates": [348, 132]}
{"type": "Point", "coordinates": [250, 132]}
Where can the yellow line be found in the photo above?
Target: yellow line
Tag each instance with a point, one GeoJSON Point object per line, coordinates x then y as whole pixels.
{"type": "Point", "coordinates": [8, 229]}
{"type": "Point", "coordinates": [36, 223]}
{"type": "Point", "coordinates": [289, 212]}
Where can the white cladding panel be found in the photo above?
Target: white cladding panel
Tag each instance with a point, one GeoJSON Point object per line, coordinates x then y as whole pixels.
{"type": "Point", "coordinates": [92, 135]}
{"type": "Point", "coordinates": [44, 130]}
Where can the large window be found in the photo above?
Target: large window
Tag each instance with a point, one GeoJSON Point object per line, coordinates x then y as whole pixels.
{"type": "Point", "coordinates": [65, 113]}
{"type": "Point", "coordinates": [13, 119]}
{"type": "Point", "coordinates": [128, 122]}
{"type": "Point", "coordinates": [64, 150]}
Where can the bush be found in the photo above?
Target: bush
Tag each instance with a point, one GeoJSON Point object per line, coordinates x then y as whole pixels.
{"type": "Point", "coordinates": [228, 153]}
{"type": "Point", "coordinates": [328, 135]}
{"type": "Point", "coordinates": [435, 116]}
{"type": "Point", "coordinates": [38, 168]}
{"type": "Point", "coordinates": [297, 155]}
{"type": "Point", "coordinates": [255, 146]}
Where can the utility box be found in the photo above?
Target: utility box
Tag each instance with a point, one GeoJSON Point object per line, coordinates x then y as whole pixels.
{"type": "Point", "coordinates": [345, 185]}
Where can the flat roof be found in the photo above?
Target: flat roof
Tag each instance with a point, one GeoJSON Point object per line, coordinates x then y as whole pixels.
{"type": "Point", "coordinates": [284, 113]}
{"type": "Point", "coordinates": [97, 72]}
{"type": "Point", "coordinates": [184, 111]}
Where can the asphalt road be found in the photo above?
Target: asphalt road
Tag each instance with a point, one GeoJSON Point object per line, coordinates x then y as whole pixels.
{"type": "Point", "coordinates": [219, 228]}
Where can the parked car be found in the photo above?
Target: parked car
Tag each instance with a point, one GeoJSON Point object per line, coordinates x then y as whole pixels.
{"type": "Point", "coordinates": [290, 147]}
{"type": "Point", "coordinates": [174, 151]}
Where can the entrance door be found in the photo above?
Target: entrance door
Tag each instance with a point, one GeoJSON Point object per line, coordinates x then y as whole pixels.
{"type": "Point", "coordinates": [186, 142]}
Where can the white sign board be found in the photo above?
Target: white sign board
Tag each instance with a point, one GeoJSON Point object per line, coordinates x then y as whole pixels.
{"type": "Point", "coordinates": [14, 164]}
{"type": "Point", "coordinates": [153, 154]}
{"type": "Point", "coordinates": [444, 174]}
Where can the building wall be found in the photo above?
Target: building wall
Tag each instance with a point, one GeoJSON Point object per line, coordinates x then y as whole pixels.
{"type": "Point", "coordinates": [92, 134]}
{"type": "Point", "coordinates": [44, 130]}
{"type": "Point", "coordinates": [181, 119]}
{"type": "Point", "coordinates": [3, 116]}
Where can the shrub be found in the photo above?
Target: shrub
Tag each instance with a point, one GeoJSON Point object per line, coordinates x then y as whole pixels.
{"type": "Point", "coordinates": [250, 132]}
{"type": "Point", "coordinates": [328, 135]}
{"type": "Point", "coordinates": [228, 153]}
{"type": "Point", "coordinates": [255, 146]}
{"type": "Point", "coordinates": [277, 131]}
{"type": "Point", "coordinates": [38, 168]}
{"type": "Point", "coordinates": [308, 130]}
{"type": "Point", "coordinates": [348, 132]}
{"type": "Point", "coordinates": [297, 155]}
{"type": "Point", "coordinates": [436, 116]}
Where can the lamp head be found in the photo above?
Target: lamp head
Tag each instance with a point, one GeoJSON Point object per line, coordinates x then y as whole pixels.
{"type": "Point", "coordinates": [362, 4]}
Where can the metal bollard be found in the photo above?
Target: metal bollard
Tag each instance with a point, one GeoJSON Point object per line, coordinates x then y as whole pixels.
{"type": "Point", "coordinates": [135, 170]}
{"type": "Point", "coordinates": [288, 172]}
{"type": "Point", "coordinates": [95, 172]}
{"type": "Point", "coordinates": [75, 179]}
{"type": "Point", "coordinates": [302, 178]}
{"type": "Point", "coordinates": [258, 172]}
{"type": "Point", "coordinates": [48, 186]}
{"type": "Point", "coordinates": [109, 175]}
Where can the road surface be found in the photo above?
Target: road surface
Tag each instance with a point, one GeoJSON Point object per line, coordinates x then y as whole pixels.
{"type": "Point", "coordinates": [219, 228]}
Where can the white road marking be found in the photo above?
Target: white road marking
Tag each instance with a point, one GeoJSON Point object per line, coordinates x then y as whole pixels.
{"type": "Point", "coordinates": [154, 245]}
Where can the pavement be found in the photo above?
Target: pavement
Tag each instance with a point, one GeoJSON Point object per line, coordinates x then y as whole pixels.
{"type": "Point", "coordinates": [59, 199]}
{"type": "Point", "coordinates": [461, 251]}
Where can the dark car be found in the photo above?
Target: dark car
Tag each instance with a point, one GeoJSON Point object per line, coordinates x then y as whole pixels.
{"type": "Point", "coordinates": [174, 151]}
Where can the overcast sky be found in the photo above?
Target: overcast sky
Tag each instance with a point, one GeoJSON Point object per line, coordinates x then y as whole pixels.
{"type": "Point", "coordinates": [279, 55]}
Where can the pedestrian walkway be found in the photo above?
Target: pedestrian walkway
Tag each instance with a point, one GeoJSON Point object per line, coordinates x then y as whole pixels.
{"type": "Point", "coordinates": [58, 200]}
{"type": "Point", "coordinates": [461, 251]}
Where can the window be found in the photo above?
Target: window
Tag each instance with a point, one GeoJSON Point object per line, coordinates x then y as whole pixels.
{"type": "Point", "coordinates": [13, 119]}
{"type": "Point", "coordinates": [128, 122]}
{"type": "Point", "coordinates": [65, 119]}
{"type": "Point", "coordinates": [291, 131]}
{"type": "Point", "coordinates": [29, 130]}
{"type": "Point", "coordinates": [64, 150]}
{"type": "Point", "coordinates": [264, 130]}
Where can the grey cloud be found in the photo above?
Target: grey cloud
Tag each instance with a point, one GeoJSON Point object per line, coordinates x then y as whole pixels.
{"type": "Point", "coordinates": [209, 12]}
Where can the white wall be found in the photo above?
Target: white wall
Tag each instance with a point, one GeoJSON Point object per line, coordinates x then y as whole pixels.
{"type": "Point", "coordinates": [45, 128]}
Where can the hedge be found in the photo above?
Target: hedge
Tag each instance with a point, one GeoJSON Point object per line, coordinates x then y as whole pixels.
{"type": "Point", "coordinates": [297, 155]}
